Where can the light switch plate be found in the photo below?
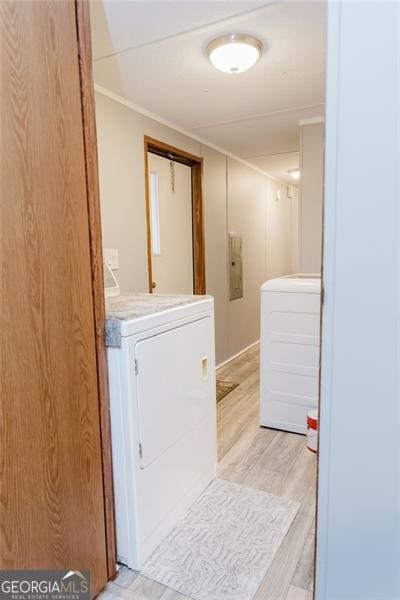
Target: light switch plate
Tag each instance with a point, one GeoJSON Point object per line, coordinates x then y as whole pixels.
{"type": "Point", "coordinates": [111, 258]}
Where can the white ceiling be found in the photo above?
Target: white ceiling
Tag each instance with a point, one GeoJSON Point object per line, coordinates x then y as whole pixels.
{"type": "Point", "coordinates": [119, 25]}
{"type": "Point", "coordinates": [153, 54]}
{"type": "Point", "coordinates": [278, 165]}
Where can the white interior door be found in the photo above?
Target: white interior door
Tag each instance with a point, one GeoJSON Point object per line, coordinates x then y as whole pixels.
{"type": "Point", "coordinates": [170, 187]}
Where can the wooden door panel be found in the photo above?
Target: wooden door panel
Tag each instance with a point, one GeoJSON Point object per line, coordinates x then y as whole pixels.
{"type": "Point", "coordinates": [51, 490]}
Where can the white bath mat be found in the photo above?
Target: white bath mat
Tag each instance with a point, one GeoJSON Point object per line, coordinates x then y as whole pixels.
{"type": "Point", "coordinates": [224, 545]}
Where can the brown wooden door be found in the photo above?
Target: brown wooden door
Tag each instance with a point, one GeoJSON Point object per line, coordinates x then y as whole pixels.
{"type": "Point", "coordinates": [51, 483]}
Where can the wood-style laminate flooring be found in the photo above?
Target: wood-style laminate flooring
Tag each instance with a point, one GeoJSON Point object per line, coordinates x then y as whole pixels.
{"type": "Point", "coordinates": [270, 460]}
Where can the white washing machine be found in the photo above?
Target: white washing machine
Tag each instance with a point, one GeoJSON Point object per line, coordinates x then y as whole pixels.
{"type": "Point", "coordinates": [290, 347]}
{"type": "Point", "coordinates": [163, 413]}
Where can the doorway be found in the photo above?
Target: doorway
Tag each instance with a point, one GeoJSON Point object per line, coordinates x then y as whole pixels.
{"type": "Point", "coordinates": [251, 177]}
{"type": "Point", "coordinates": [174, 215]}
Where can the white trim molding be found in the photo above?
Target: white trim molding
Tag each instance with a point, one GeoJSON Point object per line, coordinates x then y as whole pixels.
{"type": "Point", "coordinates": [311, 121]}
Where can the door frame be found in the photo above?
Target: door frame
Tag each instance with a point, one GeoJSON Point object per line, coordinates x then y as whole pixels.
{"type": "Point", "coordinates": [196, 164]}
{"type": "Point", "coordinates": [96, 259]}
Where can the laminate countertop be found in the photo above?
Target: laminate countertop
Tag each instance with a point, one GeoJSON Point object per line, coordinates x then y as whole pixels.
{"type": "Point", "coordinates": [127, 307]}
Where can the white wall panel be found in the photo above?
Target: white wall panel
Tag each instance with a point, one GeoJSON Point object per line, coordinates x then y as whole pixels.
{"type": "Point", "coordinates": [215, 224]}
{"type": "Point", "coordinates": [311, 197]}
{"type": "Point", "coordinates": [247, 217]}
{"type": "Point", "coordinates": [358, 554]}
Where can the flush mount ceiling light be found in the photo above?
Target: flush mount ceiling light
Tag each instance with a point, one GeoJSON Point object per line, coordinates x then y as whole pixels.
{"type": "Point", "coordinates": [234, 53]}
{"type": "Point", "coordinates": [294, 174]}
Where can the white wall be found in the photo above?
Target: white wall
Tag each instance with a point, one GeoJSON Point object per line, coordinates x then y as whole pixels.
{"type": "Point", "coordinates": [358, 553]}
{"type": "Point", "coordinates": [282, 231]}
{"type": "Point", "coordinates": [311, 197]}
{"type": "Point", "coordinates": [121, 180]}
{"type": "Point", "coordinates": [215, 226]}
{"type": "Point", "coordinates": [247, 190]}
{"type": "Point", "coordinates": [295, 230]}
{"type": "Point", "coordinates": [236, 197]}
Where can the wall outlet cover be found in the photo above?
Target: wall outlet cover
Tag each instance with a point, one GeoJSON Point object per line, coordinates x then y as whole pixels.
{"type": "Point", "coordinates": [111, 258]}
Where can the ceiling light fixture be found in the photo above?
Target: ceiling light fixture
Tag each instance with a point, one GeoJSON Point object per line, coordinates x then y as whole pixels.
{"type": "Point", "coordinates": [234, 53]}
{"type": "Point", "coordinates": [294, 174]}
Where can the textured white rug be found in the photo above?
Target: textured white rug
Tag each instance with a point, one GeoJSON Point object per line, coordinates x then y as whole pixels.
{"type": "Point", "coordinates": [224, 545]}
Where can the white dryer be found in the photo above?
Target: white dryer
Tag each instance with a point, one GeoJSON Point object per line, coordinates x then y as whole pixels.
{"type": "Point", "coordinates": [163, 413]}
{"type": "Point", "coordinates": [290, 346]}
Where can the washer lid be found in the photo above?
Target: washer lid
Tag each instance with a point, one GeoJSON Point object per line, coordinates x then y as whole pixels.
{"type": "Point", "coordinates": [305, 283]}
{"type": "Point", "coordinates": [133, 313]}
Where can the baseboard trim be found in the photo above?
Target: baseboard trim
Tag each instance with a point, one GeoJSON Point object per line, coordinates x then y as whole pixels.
{"type": "Point", "coordinates": [228, 360]}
